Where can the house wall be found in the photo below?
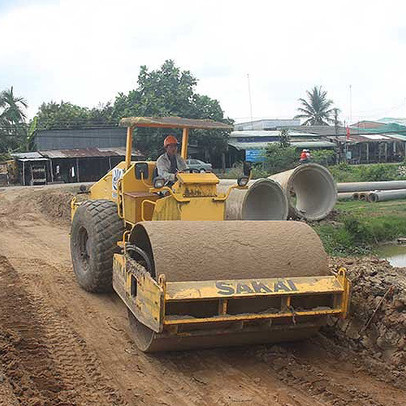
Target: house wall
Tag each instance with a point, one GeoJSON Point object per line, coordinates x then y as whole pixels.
{"type": "Point", "coordinates": [80, 138]}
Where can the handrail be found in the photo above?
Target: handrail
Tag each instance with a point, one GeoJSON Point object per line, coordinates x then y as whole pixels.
{"type": "Point", "coordinates": [142, 208]}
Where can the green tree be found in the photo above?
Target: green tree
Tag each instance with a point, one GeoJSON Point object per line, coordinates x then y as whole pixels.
{"type": "Point", "coordinates": [317, 110]}
{"type": "Point", "coordinates": [12, 120]}
{"type": "Point", "coordinates": [62, 115]}
{"type": "Point", "coordinates": [168, 91]}
{"type": "Point", "coordinates": [284, 139]}
{"type": "Point", "coordinates": [280, 158]}
{"type": "Point", "coordinates": [102, 115]}
{"type": "Point", "coordinates": [323, 157]}
{"type": "Point", "coordinates": [54, 115]}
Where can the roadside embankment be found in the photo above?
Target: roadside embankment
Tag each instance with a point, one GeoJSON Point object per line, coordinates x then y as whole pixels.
{"type": "Point", "coordinates": [355, 227]}
{"type": "Point", "coordinates": [376, 326]}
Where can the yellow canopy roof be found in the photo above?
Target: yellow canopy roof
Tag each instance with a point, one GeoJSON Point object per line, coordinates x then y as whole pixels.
{"type": "Point", "coordinates": [173, 122]}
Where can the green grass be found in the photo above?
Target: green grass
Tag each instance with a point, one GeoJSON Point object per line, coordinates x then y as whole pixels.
{"type": "Point", "coordinates": [368, 173]}
{"type": "Point", "coordinates": [360, 226]}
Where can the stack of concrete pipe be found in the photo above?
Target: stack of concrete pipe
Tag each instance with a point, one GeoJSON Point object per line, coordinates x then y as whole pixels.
{"type": "Point", "coordinates": [306, 192]}
{"type": "Point", "coordinates": [372, 191]}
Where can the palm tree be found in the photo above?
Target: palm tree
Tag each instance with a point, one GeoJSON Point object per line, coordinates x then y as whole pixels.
{"type": "Point", "coordinates": [317, 109]}
{"type": "Point", "coordinates": [12, 107]}
{"type": "Point", "coordinates": [12, 120]}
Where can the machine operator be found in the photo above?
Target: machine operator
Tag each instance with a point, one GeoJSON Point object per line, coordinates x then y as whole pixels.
{"type": "Point", "coordinates": [169, 163]}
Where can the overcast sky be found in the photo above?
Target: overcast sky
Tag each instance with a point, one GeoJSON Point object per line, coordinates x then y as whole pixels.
{"type": "Point", "coordinates": [86, 51]}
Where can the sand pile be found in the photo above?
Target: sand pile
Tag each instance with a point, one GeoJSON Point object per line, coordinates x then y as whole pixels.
{"type": "Point", "coordinates": [55, 205]}
{"type": "Point", "coordinates": [34, 204]}
{"type": "Point", "coordinates": [376, 326]}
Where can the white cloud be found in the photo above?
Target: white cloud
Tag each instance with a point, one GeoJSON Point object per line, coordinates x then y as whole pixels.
{"type": "Point", "coordinates": [86, 51]}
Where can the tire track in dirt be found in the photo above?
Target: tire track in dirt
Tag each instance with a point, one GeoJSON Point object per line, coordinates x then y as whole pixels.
{"type": "Point", "coordinates": [45, 361]}
{"type": "Point", "coordinates": [26, 360]}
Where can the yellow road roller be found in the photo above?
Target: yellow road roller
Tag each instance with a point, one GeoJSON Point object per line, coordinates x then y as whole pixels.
{"type": "Point", "coordinates": [189, 278]}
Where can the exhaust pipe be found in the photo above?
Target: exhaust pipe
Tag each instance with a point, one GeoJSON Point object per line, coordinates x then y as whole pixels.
{"type": "Point", "coordinates": [310, 190]}
{"type": "Point", "coordinates": [263, 200]}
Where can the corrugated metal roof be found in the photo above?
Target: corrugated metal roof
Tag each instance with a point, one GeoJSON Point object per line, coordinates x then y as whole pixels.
{"type": "Point", "coordinates": [271, 133]}
{"type": "Point", "coordinates": [298, 144]}
{"type": "Point", "coordinates": [172, 122]}
{"type": "Point", "coordinates": [87, 153]}
{"type": "Point", "coordinates": [368, 138]}
{"type": "Point", "coordinates": [27, 155]}
{"type": "Point", "coordinates": [399, 137]}
{"type": "Point", "coordinates": [375, 137]}
{"type": "Point", "coordinates": [254, 133]}
{"type": "Point", "coordinates": [30, 159]}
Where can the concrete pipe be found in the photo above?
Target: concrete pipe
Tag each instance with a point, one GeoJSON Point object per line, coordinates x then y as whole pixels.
{"type": "Point", "coordinates": [382, 195]}
{"type": "Point", "coordinates": [345, 196]}
{"type": "Point", "coordinates": [371, 186]}
{"type": "Point", "coordinates": [263, 200]}
{"type": "Point", "coordinates": [310, 189]}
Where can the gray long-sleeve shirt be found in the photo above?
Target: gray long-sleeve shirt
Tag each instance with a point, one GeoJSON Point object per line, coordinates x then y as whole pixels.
{"type": "Point", "coordinates": [163, 165]}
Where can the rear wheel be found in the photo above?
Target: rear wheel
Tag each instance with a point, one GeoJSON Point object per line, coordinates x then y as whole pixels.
{"type": "Point", "coordinates": [96, 228]}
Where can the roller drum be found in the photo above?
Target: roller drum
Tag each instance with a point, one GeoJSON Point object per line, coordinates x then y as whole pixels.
{"type": "Point", "coordinates": [220, 250]}
{"type": "Point", "coordinates": [223, 250]}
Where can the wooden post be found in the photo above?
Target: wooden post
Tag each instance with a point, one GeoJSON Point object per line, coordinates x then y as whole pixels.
{"type": "Point", "coordinates": [185, 140]}
{"type": "Point", "coordinates": [52, 170]}
{"type": "Point", "coordinates": [129, 147]}
{"type": "Point", "coordinates": [367, 153]}
{"type": "Point", "coordinates": [77, 169]}
{"type": "Point", "coordinates": [223, 162]}
{"type": "Point", "coordinates": [386, 152]}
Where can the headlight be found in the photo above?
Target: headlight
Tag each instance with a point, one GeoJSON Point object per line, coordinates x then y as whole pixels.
{"type": "Point", "coordinates": [243, 181]}
{"type": "Point", "coordinates": [159, 183]}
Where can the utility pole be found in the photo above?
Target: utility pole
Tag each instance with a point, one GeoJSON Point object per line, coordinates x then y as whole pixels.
{"type": "Point", "coordinates": [350, 120]}
{"type": "Point", "coordinates": [249, 97]}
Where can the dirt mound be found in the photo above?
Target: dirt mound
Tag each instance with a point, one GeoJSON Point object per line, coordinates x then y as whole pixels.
{"type": "Point", "coordinates": [32, 204]}
{"type": "Point", "coordinates": [376, 326]}
{"type": "Point", "coordinates": [55, 205]}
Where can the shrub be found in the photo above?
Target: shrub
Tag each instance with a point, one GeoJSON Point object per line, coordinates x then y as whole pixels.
{"type": "Point", "coordinates": [323, 157]}
{"type": "Point", "coordinates": [371, 173]}
{"type": "Point", "coordinates": [278, 158]}
{"type": "Point", "coordinates": [236, 171]}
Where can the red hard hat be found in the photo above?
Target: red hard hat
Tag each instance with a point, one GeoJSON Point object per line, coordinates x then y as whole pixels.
{"type": "Point", "coordinates": [170, 139]}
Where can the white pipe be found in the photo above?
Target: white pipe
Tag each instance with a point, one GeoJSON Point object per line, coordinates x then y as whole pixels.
{"type": "Point", "coordinates": [366, 186]}
{"type": "Point", "coordinates": [382, 195]}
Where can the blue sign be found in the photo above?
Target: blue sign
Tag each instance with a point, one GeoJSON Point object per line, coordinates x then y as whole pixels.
{"type": "Point", "coordinates": [255, 155]}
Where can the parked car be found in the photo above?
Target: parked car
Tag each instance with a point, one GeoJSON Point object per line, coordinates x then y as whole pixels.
{"type": "Point", "coordinates": [198, 165]}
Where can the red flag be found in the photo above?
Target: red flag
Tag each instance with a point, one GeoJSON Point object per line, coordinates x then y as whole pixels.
{"type": "Point", "coordinates": [348, 133]}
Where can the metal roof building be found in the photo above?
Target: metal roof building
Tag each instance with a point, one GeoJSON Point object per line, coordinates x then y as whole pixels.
{"type": "Point", "coordinates": [80, 138]}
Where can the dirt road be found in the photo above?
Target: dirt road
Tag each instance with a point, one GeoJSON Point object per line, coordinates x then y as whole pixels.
{"type": "Point", "coordinates": [60, 345]}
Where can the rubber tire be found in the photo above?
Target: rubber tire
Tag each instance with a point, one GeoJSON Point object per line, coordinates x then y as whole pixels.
{"type": "Point", "coordinates": [95, 230]}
